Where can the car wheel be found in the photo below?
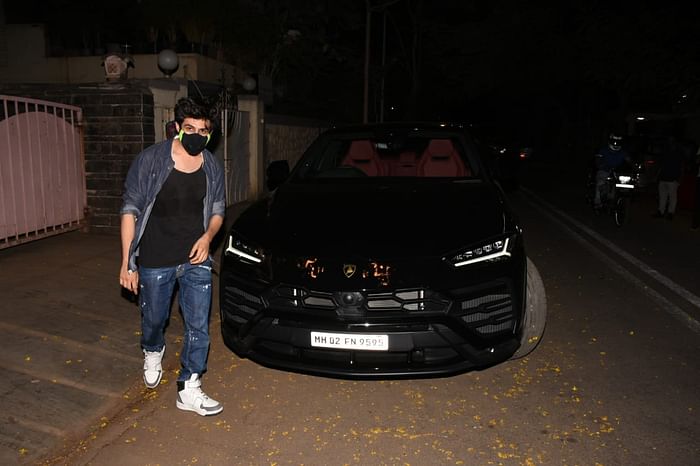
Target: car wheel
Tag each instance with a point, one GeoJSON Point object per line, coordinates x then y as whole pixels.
{"type": "Point", "coordinates": [535, 312]}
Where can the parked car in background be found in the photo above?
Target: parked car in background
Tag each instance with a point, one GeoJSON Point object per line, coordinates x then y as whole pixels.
{"type": "Point", "coordinates": [507, 155]}
{"type": "Point", "coordinates": [645, 152]}
{"type": "Point", "coordinates": [388, 251]}
{"type": "Point", "coordinates": [509, 162]}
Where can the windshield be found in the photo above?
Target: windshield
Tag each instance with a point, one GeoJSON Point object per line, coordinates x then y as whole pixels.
{"type": "Point", "coordinates": [390, 155]}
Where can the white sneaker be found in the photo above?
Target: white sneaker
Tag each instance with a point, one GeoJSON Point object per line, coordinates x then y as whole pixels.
{"type": "Point", "coordinates": [152, 368]}
{"type": "Point", "coordinates": [190, 397]}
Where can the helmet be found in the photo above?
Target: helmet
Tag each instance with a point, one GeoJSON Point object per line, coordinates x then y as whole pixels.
{"type": "Point", "coordinates": [615, 141]}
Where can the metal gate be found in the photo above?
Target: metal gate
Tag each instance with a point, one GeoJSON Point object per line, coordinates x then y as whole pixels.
{"type": "Point", "coordinates": [42, 169]}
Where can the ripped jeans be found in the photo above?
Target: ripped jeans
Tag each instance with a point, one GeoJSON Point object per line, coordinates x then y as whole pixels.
{"type": "Point", "coordinates": [156, 286]}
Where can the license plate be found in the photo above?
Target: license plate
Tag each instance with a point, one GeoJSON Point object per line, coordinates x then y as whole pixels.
{"type": "Point", "coordinates": [351, 341]}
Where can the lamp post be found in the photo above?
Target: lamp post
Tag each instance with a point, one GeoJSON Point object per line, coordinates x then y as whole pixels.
{"type": "Point", "coordinates": [249, 83]}
{"type": "Point", "coordinates": [168, 62]}
{"type": "Point", "coordinates": [382, 6]}
{"type": "Point", "coordinates": [365, 99]}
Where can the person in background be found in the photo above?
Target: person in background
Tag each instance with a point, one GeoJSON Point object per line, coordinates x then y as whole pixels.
{"type": "Point", "coordinates": [173, 206]}
{"type": "Point", "coordinates": [607, 159]}
{"type": "Point", "coordinates": [670, 172]}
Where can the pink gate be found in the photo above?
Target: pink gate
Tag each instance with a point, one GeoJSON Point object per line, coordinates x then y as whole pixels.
{"type": "Point", "coordinates": [42, 170]}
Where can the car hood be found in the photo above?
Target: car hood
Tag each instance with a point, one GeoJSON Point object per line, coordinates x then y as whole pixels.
{"type": "Point", "coordinates": [382, 220]}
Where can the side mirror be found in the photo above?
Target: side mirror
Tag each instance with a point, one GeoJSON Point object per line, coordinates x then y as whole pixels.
{"type": "Point", "coordinates": [277, 172]}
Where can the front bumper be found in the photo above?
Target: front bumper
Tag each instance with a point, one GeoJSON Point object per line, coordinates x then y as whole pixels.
{"type": "Point", "coordinates": [430, 332]}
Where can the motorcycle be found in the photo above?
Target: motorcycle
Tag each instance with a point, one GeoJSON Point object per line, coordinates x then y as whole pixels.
{"type": "Point", "coordinates": [617, 192]}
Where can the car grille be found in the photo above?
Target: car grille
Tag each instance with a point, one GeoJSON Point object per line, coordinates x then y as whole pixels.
{"type": "Point", "coordinates": [245, 304]}
{"type": "Point", "coordinates": [412, 301]}
{"type": "Point", "coordinates": [487, 310]}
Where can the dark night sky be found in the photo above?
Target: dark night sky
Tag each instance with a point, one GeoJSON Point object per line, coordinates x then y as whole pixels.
{"type": "Point", "coordinates": [550, 63]}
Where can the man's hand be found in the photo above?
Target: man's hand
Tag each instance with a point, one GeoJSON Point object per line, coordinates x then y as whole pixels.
{"type": "Point", "coordinates": [129, 279]}
{"type": "Point", "coordinates": [200, 251]}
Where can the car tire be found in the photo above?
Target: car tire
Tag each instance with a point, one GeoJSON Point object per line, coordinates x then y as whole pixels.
{"type": "Point", "coordinates": [535, 312]}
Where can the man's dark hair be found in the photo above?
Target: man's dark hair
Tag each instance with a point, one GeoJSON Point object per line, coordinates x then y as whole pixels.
{"type": "Point", "coordinates": [187, 107]}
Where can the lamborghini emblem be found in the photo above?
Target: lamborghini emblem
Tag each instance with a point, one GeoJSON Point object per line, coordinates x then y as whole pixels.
{"type": "Point", "coordinates": [349, 270]}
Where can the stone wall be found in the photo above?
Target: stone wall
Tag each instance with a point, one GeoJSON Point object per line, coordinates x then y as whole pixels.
{"type": "Point", "coordinates": [117, 125]}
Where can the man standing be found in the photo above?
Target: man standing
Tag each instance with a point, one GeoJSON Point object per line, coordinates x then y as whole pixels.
{"type": "Point", "coordinates": [173, 206]}
{"type": "Point", "coordinates": [670, 171]}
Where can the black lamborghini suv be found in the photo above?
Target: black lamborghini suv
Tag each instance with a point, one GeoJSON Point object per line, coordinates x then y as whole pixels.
{"type": "Point", "coordinates": [388, 251]}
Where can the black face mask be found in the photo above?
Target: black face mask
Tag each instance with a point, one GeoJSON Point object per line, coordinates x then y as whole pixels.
{"type": "Point", "coordinates": [193, 143]}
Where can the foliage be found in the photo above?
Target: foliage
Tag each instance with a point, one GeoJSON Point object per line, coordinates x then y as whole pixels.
{"type": "Point", "coordinates": [448, 54]}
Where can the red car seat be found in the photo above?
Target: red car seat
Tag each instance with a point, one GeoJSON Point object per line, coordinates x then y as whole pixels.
{"type": "Point", "coordinates": [362, 155]}
{"type": "Point", "coordinates": [441, 158]}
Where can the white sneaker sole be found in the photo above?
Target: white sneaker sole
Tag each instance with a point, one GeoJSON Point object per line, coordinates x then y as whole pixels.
{"type": "Point", "coordinates": [200, 411]}
{"type": "Point", "coordinates": [155, 384]}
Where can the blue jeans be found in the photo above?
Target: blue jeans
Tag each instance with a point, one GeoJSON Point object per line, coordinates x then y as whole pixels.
{"type": "Point", "coordinates": [156, 286]}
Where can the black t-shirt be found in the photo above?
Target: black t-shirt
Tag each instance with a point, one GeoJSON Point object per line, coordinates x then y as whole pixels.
{"type": "Point", "coordinates": [176, 220]}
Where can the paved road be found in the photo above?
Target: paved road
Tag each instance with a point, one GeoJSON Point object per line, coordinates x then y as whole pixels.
{"type": "Point", "coordinates": [613, 382]}
{"type": "Point", "coordinates": [69, 349]}
{"type": "Point", "coordinates": [70, 342]}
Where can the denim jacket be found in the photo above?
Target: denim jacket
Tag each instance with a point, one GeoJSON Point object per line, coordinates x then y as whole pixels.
{"type": "Point", "coordinates": [145, 179]}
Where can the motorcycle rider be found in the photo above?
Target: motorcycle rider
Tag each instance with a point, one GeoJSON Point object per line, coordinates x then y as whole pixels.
{"type": "Point", "coordinates": [608, 158]}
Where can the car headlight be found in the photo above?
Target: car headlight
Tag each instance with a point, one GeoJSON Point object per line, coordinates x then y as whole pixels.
{"type": "Point", "coordinates": [244, 250]}
{"type": "Point", "coordinates": [496, 249]}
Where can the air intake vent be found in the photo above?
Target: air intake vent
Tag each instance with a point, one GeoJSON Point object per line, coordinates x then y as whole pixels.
{"type": "Point", "coordinates": [490, 313]}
